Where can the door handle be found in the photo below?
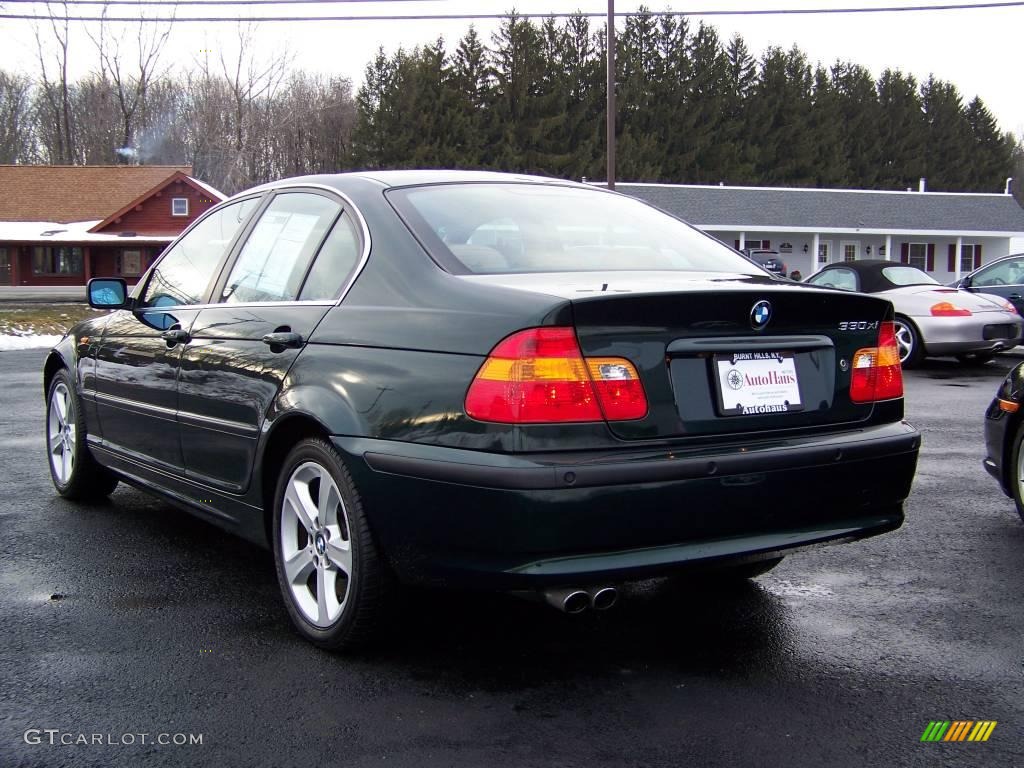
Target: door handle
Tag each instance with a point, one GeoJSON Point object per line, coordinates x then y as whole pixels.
{"type": "Point", "coordinates": [1014, 297]}
{"type": "Point", "coordinates": [176, 336]}
{"type": "Point", "coordinates": [283, 339]}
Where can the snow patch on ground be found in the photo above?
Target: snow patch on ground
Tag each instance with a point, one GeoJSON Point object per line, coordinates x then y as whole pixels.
{"type": "Point", "coordinates": [789, 589]}
{"type": "Point", "coordinates": [28, 341]}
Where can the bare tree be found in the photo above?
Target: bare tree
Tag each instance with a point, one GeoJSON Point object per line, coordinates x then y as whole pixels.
{"type": "Point", "coordinates": [97, 120]}
{"type": "Point", "coordinates": [311, 125]}
{"type": "Point", "coordinates": [132, 82]}
{"type": "Point", "coordinates": [15, 118]}
{"type": "Point", "coordinates": [251, 83]}
{"type": "Point", "coordinates": [56, 91]}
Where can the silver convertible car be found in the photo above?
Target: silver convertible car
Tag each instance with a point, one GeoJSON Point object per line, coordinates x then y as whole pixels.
{"type": "Point", "coordinates": [931, 319]}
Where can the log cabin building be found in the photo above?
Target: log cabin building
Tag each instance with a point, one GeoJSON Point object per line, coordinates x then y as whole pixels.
{"type": "Point", "coordinates": [62, 225]}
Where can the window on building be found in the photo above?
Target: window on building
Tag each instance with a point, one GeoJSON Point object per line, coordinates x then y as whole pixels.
{"type": "Point", "coordinates": [918, 255]}
{"type": "Point", "coordinates": [179, 206]}
{"type": "Point", "coordinates": [59, 260]}
{"type": "Point", "coordinates": [824, 251]}
{"type": "Point", "coordinates": [849, 252]}
{"type": "Point", "coordinates": [130, 263]}
{"type": "Point", "coordinates": [969, 257]}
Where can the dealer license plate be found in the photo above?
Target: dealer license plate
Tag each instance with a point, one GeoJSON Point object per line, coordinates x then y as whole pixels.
{"type": "Point", "coordinates": [751, 383]}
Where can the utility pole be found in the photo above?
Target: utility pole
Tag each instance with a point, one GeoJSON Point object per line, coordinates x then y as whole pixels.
{"type": "Point", "coordinates": [610, 111]}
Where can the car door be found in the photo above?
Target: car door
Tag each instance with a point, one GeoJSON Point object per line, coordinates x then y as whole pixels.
{"type": "Point", "coordinates": [1003, 278]}
{"type": "Point", "coordinates": [284, 279]}
{"type": "Point", "coordinates": [137, 360]}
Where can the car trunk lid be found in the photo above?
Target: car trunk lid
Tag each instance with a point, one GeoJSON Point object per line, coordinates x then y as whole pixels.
{"type": "Point", "coordinates": [685, 333]}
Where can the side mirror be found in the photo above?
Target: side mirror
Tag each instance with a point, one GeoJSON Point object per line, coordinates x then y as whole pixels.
{"type": "Point", "coordinates": [107, 293]}
{"type": "Point", "coordinates": [965, 282]}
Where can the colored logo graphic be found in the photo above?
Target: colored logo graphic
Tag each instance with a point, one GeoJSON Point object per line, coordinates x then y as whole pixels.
{"type": "Point", "coordinates": [735, 379]}
{"type": "Point", "coordinates": [958, 730]}
{"type": "Point", "coordinates": [760, 314]}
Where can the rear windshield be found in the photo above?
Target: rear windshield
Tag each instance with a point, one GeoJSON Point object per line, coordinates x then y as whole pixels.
{"type": "Point", "coordinates": [504, 228]}
{"type": "Point", "coordinates": [908, 276]}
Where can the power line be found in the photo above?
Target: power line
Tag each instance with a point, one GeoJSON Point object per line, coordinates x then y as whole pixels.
{"type": "Point", "coordinates": [173, 3]}
{"type": "Point", "coordinates": [488, 16]}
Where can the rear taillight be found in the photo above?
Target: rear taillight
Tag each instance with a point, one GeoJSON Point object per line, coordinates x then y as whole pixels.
{"type": "Point", "coordinates": [539, 376]}
{"type": "Point", "coordinates": [618, 387]}
{"type": "Point", "coordinates": [876, 371]}
{"type": "Point", "coordinates": [945, 309]}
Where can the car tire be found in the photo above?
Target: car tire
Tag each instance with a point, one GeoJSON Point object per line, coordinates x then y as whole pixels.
{"type": "Point", "coordinates": [334, 581]}
{"type": "Point", "coordinates": [75, 473]}
{"type": "Point", "coordinates": [1016, 471]}
{"type": "Point", "coordinates": [975, 358]}
{"type": "Point", "coordinates": [909, 342]}
{"type": "Point", "coordinates": [752, 570]}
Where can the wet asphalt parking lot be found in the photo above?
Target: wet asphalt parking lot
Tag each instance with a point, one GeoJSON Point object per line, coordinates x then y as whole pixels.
{"type": "Point", "coordinates": [841, 656]}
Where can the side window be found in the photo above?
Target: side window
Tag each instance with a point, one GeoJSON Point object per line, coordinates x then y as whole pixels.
{"type": "Point", "coordinates": [1009, 272]}
{"type": "Point", "coordinates": [277, 254]}
{"type": "Point", "coordinates": [843, 279]}
{"type": "Point", "coordinates": [184, 272]}
{"type": "Point", "coordinates": [334, 263]}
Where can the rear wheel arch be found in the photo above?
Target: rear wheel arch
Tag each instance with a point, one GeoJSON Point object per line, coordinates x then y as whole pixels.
{"type": "Point", "coordinates": [285, 433]}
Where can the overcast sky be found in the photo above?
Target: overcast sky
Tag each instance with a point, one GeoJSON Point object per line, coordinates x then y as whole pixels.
{"type": "Point", "coordinates": [978, 50]}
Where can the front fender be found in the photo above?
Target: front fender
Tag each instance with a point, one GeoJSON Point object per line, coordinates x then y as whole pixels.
{"type": "Point", "coordinates": [63, 355]}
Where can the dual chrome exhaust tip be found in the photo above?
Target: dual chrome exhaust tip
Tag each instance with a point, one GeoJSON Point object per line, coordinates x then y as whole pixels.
{"type": "Point", "coordinates": [574, 600]}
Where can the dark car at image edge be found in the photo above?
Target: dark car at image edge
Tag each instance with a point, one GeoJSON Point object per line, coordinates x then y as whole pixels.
{"type": "Point", "coordinates": [481, 381]}
{"type": "Point", "coordinates": [1004, 437]}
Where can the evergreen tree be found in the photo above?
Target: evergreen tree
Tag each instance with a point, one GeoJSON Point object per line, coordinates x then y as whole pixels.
{"type": "Point", "coordinates": [1017, 167]}
{"type": "Point", "coordinates": [830, 164]}
{"type": "Point", "coordinates": [640, 150]}
{"type": "Point", "coordinates": [580, 63]}
{"type": "Point", "coordinates": [858, 115]}
{"type": "Point", "coordinates": [902, 134]}
{"type": "Point", "coordinates": [471, 83]}
{"type": "Point", "coordinates": [741, 78]}
{"type": "Point", "coordinates": [370, 136]}
{"type": "Point", "coordinates": [780, 113]}
{"type": "Point", "coordinates": [711, 148]}
{"type": "Point", "coordinates": [992, 151]}
{"type": "Point", "coordinates": [526, 103]}
{"type": "Point", "coordinates": [949, 145]}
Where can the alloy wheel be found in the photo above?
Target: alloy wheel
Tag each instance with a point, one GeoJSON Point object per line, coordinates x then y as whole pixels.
{"type": "Point", "coordinates": [316, 547]}
{"type": "Point", "coordinates": [60, 433]}
{"type": "Point", "coordinates": [905, 341]}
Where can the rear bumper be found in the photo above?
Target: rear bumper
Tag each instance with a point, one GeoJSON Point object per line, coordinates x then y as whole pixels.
{"type": "Point", "coordinates": [502, 521]}
{"type": "Point", "coordinates": [982, 332]}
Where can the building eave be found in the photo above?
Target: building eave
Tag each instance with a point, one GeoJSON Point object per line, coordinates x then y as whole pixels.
{"type": "Point", "coordinates": [859, 231]}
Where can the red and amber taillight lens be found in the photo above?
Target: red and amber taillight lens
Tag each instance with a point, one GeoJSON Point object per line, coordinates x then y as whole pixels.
{"type": "Point", "coordinates": [539, 376]}
{"type": "Point", "coordinates": [876, 373]}
{"type": "Point", "coordinates": [945, 309]}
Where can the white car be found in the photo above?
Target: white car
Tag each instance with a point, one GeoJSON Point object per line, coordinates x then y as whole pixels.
{"type": "Point", "coordinates": [931, 319]}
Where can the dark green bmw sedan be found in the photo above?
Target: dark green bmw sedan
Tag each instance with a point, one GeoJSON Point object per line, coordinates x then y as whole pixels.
{"type": "Point", "coordinates": [481, 381]}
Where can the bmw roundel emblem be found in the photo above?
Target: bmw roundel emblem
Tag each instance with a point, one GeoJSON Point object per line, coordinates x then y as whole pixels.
{"type": "Point", "coordinates": [760, 315]}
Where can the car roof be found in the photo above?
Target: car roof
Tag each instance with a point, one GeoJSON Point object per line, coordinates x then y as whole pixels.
{"type": "Point", "coordinates": [869, 273]}
{"type": "Point", "coordinates": [996, 261]}
{"type": "Point", "coordinates": [403, 178]}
